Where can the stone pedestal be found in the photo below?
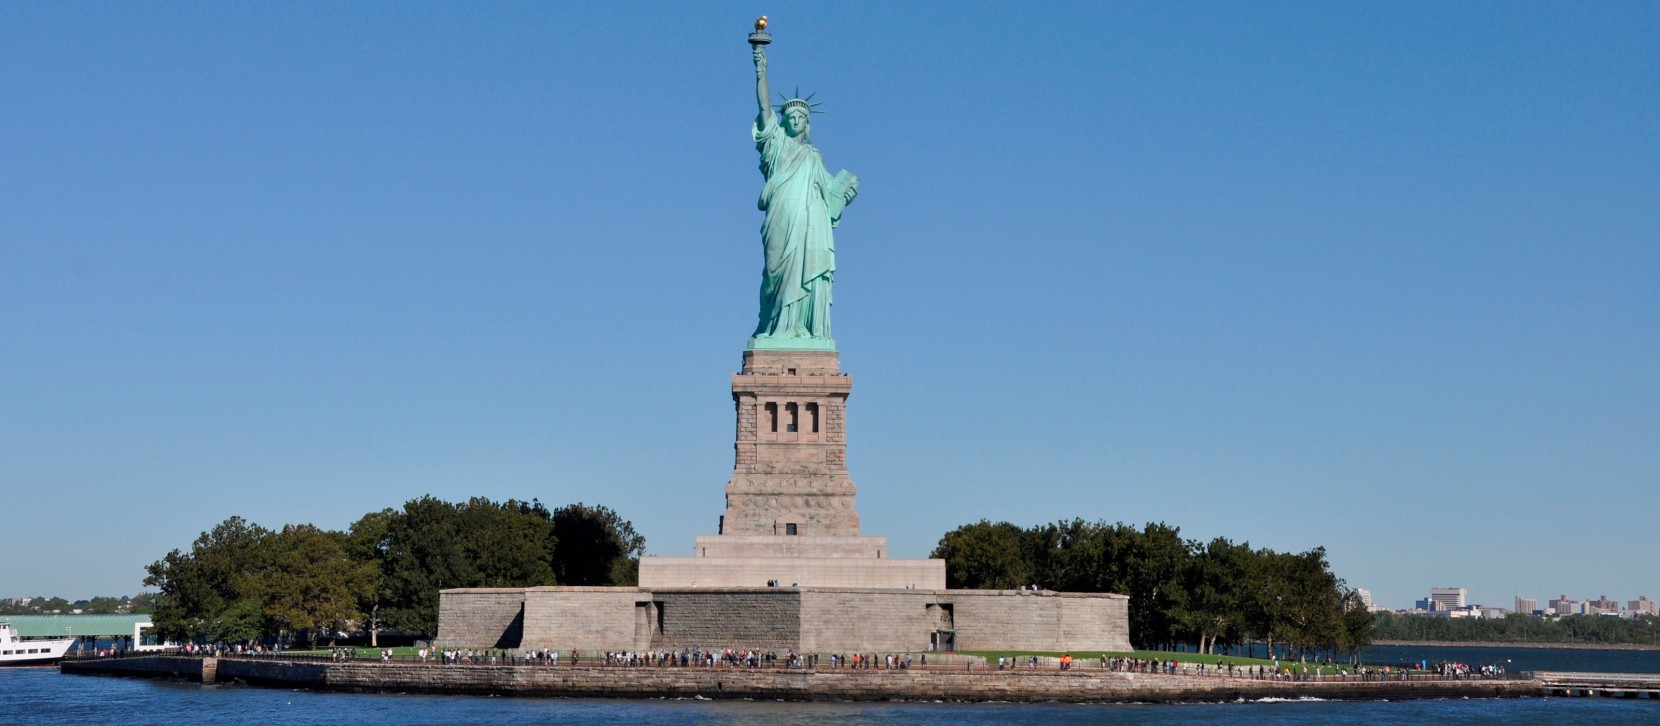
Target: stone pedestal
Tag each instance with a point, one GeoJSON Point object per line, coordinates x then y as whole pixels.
{"type": "Point", "coordinates": [790, 517]}
{"type": "Point", "coordinates": [789, 477]}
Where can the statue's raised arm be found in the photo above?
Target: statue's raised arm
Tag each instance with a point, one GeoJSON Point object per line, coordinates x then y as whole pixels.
{"type": "Point", "coordinates": [763, 94]}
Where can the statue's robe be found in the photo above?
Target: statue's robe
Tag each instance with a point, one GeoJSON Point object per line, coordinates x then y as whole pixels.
{"type": "Point", "coordinates": [803, 203]}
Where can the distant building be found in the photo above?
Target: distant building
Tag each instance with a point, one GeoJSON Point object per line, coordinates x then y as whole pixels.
{"type": "Point", "coordinates": [1365, 596]}
{"type": "Point", "coordinates": [1644, 606]}
{"type": "Point", "coordinates": [1565, 606]}
{"type": "Point", "coordinates": [1526, 605]}
{"type": "Point", "coordinates": [1447, 598]}
{"type": "Point", "coordinates": [1602, 606]}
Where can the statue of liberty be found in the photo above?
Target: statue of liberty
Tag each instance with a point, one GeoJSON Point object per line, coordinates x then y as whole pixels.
{"type": "Point", "coordinates": [803, 204]}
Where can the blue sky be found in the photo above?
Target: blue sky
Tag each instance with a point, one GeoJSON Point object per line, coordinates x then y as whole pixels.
{"type": "Point", "coordinates": [1377, 277]}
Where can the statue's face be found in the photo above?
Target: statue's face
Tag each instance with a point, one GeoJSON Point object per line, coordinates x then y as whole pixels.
{"type": "Point", "coordinates": [795, 122]}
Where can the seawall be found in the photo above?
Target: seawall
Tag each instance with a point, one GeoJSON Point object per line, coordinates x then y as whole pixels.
{"type": "Point", "coordinates": [200, 670]}
{"type": "Point", "coordinates": [810, 685]}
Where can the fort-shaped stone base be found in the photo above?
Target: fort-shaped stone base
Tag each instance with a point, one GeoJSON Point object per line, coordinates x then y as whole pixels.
{"type": "Point", "coordinates": [803, 619]}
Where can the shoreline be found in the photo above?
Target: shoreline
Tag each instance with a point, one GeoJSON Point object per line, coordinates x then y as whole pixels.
{"type": "Point", "coordinates": [1498, 644]}
{"type": "Point", "coordinates": [943, 684]}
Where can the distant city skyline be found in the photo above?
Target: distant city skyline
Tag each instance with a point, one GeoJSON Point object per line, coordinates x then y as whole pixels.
{"type": "Point", "coordinates": [1374, 278]}
{"type": "Point", "coordinates": [1445, 599]}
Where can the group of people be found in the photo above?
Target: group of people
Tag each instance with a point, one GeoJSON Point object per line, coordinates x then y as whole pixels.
{"type": "Point", "coordinates": [1173, 667]}
{"type": "Point", "coordinates": [466, 657]}
{"type": "Point", "coordinates": [233, 650]}
{"type": "Point", "coordinates": [869, 660]}
{"type": "Point", "coordinates": [1010, 662]}
{"type": "Point", "coordinates": [1460, 671]}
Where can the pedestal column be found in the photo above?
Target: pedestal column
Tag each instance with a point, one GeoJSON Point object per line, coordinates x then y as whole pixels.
{"type": "Point", "coordinates": [789, 475]}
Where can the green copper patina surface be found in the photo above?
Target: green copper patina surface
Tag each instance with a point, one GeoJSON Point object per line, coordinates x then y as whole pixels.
{"type": "Point", "coordinates": [803, 204]}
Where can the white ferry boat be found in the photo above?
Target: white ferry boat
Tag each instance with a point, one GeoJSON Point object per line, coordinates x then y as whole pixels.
{"type": "Point", "coordinates": [15, 650]}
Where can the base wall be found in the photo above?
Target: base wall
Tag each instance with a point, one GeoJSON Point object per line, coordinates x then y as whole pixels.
{"type": "Point", "coordinates": [585, 618]}
{"type": "Point", "coordinates": [1025, 620]}
{"type": "Point", "coordinates": [736, 619]}
{"type": "Point", "coordinates": [482, 617]}
{"type": "Point", "coordinates": [855, 620]}
{"type": "Point", "coordinates": [820, 620]}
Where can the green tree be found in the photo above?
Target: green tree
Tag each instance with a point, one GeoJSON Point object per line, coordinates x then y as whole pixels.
{"type": "Point", "coordinates": [307, 583]}
{"type": "Point", "coordinates": [143, 602]}
{"type": "Point", "coordinates": [1158, 598]}
{"type": "Point", "coordinates": [104, 605]}
{"type": "Point", "coordinates": [367, 545]}
{"type": "Point", "coordinates": [508, 544]}
{"type": "Point", "coordinates": [595, 546]}
{"type": "Point", "coordinates": [424, 554]}
{"type": "Point", "coordinates": [1208, 594]}
{"type": "Point", "coordinates": [1358, 626]}
{"type": "Point", "coordinates": [984, 556]}
{"type": "Point", "coordinates": [240, 581]}
{"type": "Point", "coordinates": [1217, 579]}
{"type": "Point", "coordinates": [242, 621]}
{"type": "Point", "coordinates": [1304, 606]}
{"type": "Point", "coordinates": [432, 545]}
{"type": "Point", "coordinates": [197, 588]}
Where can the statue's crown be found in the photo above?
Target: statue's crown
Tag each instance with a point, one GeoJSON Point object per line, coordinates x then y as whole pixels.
{"type": "Point", "coordinates": [805, 104]}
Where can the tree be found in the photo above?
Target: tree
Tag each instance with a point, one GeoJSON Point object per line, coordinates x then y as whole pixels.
{"type": "Point", "coordinates": [241, 621]}
{"type": "Point", "coordinates": [984, 556]}
{"type": "Point", "coordinates": [509, 544]}
{"type": "Point", "coordinates": [366, 544]}
{"type": "Point", "coordinates": [1208, 594]}
{"type": "Point", "coordinates": [199, 587]}
{"type": "Point", "coordinates": [143, 602]}
{"type": "Point", "coordinates": [240, 581]}
{"type": "Point", "coordinates": [307, 584]}
{"type": "Point", "coordinates": [1358, 626]}
{"type": "Point", "coordinates": [424, 554]}
{"type": "Point", "coordinates": [1158, 599]}
{"type": "Point", "coordinates": [432, 545]}
{"type": "Point", "coordinates": [1216, 582]}
{"type": "Point", "coordinates": [1303, 601]}
{"type": "Point", "coordinates": [595, 546]}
